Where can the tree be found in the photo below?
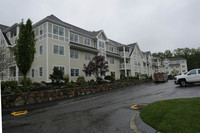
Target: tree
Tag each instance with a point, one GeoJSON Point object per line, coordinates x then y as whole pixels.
{"type": "Point", "coordinates": [97, 66]}
{"type": "Point", "coordinates": [168, 54]}
{"type": "Point", "coordinates": [57, 75]}
{"type": "Point", "coordinates": [25, 48]}
{"type": "Point", "coordinates": [159, 54]}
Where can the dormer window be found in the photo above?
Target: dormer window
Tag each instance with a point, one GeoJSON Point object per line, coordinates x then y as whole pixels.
{"type": "Point", "coordinates": [101, 44]}
{"type": "Point", "coordinates": [87, 42]}
{"type": "Point", "coordinates": [73, 37]}
{"type": "Point", "coordinates": [111, 48]}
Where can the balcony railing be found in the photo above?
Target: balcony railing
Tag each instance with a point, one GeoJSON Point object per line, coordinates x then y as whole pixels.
{"type": "Point", "coordinates": [156, 64]}
{"type": "Point", "coordinates": [128, 66]}
{"type": "Point", "coordinates": [126, 54]}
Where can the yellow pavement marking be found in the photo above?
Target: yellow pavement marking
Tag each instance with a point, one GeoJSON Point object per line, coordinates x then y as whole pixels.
{"type": "Point", "coordinates": [19, 113]}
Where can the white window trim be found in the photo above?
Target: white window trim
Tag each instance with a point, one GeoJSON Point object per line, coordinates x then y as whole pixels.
{"type": "Point", "coordinates": [42, 29]}
{"type": "Point", "coordinates": [72, 40]}
{"type": "Point", "coordinates": [59, 66]}
{"type": "Point", "coordinates": [89, 41]}
{"type": "Point", "coordinates": [112, 71]}
{"type": "Point", "coordinates": [58, 49]}
{"type": "Point", "coordinates": [113, 61]}
{"type": "Point", "coordinates": [88, 76]}
{"type": "Point", "coordinates": [109, 46]}
{"type": "Point", "coordinates": [90, 56]}
{"type": "Point", "coordinates": [31, 73]}
{"type": "Point", "coordinates": [39, 50]}
{"type": "Point", "coordinates": [74, 58]}
{"type": "Point", "coordinates": [39, 71]}
{"type": "Point", "coordinates": [74, 68]}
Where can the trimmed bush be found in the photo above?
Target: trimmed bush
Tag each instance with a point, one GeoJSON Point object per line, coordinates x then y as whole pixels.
{"type": "Point", "coordinates": [81, 81]}
{"type": "Point", "coordinates": [66, 78]}
{"type": "Point", "coordinates": [28, 82]}
{"type": "Point", "coordinates": [57, 76]}
{"type": "Point", "coordinates": [11, 84]}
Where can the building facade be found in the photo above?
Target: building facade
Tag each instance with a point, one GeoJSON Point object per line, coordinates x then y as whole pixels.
{"type": "Point", "coordinates": [171, 66]}
{"type": "Point", "coordinates": [68, 47]}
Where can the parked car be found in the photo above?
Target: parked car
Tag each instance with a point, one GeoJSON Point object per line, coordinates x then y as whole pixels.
{"type": "Point", "coordinates": [192, 76]}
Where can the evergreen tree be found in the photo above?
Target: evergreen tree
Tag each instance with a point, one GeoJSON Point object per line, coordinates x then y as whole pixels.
{"type": "Point", "coordinates": [57, 75]}
{"type": "Point", "coordinates": [25, 48]}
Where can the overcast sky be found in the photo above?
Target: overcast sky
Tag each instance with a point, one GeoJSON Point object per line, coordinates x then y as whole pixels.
{"type": "Point", "coordinates": [156, 25]}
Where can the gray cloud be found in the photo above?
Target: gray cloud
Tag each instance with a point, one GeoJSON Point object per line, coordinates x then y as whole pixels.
{"type": "Point", "coordinates": [156, 25]}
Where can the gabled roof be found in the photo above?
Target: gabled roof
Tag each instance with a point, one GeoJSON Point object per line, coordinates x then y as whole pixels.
{"type": "Point", "coordinates": [91, 34]}
{"type": "Point", "coordinates": [132, 45]}
{"type": "Point", "coordinates": [6, 38]}
{"type": "Point", "coordinates": [148, 53]}
{"type": "Point", "coordinates": [3, 27]}
{"type": "Point", "coordinates": [114, 43]}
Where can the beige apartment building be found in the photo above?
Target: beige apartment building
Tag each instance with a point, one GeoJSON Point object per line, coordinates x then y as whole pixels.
{"type": "Point", "coordinates": [68, 47]}
{"type": "Point", "coordinates": [171, 66]}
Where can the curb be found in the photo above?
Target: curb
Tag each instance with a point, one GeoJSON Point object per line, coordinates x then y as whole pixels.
{"type": "Point", "coordinates": [138, 126]}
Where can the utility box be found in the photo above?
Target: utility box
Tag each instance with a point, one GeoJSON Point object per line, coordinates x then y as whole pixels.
{"type": "Point", "coordinates": [160, 77]}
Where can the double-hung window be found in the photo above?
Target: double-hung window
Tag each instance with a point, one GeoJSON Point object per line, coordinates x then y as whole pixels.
{"type": "Point", "coordinates": [74, 72]}
{"type": "Point", "coordinates": [87, 41]}
{"type": "Point", "coordinates": [62, 69]}
{"type": "Point", "coordinates": [40, 71]}
{"type": "Point", "coordinates": [112, 61]}
{"type": "Point", "coordinates": [101, 44]}
{"type": "Point", "coordinates": [87, 56]}
{"type": "Point", "coordinates": [55, 29]}
{"type": "Point", "coordinates": [112, 73]}
{"type": "Point", "coordinates": [58, 50]}
{"type": "Point", "coordinates": [74, 54]}
{"type": "Point", "coordinates": [41, 29]}
{"type": "Point", "coordinates": [41, 49]}
{"type": "Point", "coordinates": [73, 38]}
{"type": "Point", "coordinates": [111, 48]}
{"type": "Point", "coordinates": [32, 73]}
{"type": "Point", "coordinates": [88, 74]}
{"type": "Point", "coordinates": [61, 31]}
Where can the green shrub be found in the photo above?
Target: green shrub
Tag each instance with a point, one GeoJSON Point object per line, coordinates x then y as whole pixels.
{"type": "Point", "coordinates": [92, 82]}
{"type": "Point", "coordinates": [81, 81]}
{"type": "Point", "coordinates": [28, 82]}
{"type": "Point", "coordinates": [7, 90]}
{"type": "Point", "coordinates": [99, 80]}
{"type": "Point", "coordinates": [70, 84]}
{"type": "Point", "coordinates": [144, 76]}
{"type": "Point", "coordinates": [122, 77]}
{"type": "Point", "coordinates": [110, 78]}
{"type": "Point", "coordinates": [57, 76]}
{"type": "Point", "coordinates": [11, 84]}
{"type": "Point", "coordinates": [66, 78]}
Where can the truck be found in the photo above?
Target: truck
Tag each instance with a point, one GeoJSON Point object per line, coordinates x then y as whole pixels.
{"type": "Point", "coordinates": [160, 77]}
{"type": "Point", "coordinates": [193, 76]}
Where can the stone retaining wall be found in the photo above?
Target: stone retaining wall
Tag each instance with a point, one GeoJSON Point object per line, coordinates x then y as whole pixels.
{"type": "Point", "coordinates": [50, 95]}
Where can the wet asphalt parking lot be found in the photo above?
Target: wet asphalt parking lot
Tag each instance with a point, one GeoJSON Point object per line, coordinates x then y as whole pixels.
{"type": "Point", "coordinates": [107, 113]}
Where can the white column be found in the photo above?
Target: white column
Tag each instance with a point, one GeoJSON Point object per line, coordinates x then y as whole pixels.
{"type": "Point", "coordinates": [17, 31]}
{"type": "Point", "coordinates": [17, 74]}
{"type": "Point", "coordinates": [125, 61]}
{"type": "Point", "coordinates": [47, 55]}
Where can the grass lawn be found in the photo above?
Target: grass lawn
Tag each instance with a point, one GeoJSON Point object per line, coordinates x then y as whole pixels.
{"type": "Point", "coordinates": [173, 116]}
